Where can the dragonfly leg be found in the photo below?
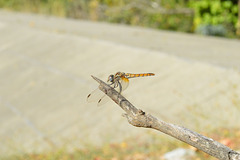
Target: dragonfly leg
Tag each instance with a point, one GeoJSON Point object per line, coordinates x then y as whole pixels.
{"type": "Point", "coordinates": [111, 83]}
{"type": "Point", "coordinates": [120, 87]}
{"type": "Point", "coordinates": [115, 85]}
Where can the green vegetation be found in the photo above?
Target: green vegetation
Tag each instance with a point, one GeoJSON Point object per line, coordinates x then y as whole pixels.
{"type": "Point", "coordinates": [135, 149]}
{"type": "Point", "coordinates": [218, 17]}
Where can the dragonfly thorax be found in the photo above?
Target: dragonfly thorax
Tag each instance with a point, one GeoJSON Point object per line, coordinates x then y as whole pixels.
{"type": "Point", "coordinates": [114, 78]}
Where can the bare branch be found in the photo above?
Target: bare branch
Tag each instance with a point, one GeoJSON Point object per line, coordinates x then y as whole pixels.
{"type": "Point", "coordinates": [138, 118]}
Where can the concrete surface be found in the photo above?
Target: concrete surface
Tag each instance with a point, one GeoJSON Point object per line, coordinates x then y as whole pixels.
{"type": "Point", "coordinates": [45, 68]}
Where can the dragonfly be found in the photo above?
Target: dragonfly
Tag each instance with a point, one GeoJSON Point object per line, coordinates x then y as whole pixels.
{"type": "Point", "coordinates": [118, 81]}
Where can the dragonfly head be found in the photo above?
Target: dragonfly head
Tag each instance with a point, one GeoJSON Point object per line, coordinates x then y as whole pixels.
{"type": "Point", "coordinates": [111, 78]}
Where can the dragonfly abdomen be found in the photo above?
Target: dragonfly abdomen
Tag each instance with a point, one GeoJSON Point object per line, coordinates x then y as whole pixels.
{"type": "Point", "coordinates": [130, 75]}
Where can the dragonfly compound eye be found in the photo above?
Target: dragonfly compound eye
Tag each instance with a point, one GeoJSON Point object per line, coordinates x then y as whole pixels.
{"type": "Point", "coordinates": [110, 78]}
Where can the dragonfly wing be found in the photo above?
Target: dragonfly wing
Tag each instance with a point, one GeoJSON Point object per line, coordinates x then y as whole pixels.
{"type": "Point", "coordinates": [124, 83]}
{"type": "Point", "coordinates": [95, 96]}
{"type": "Point", "coordinates": [99, 97]}
{"type": "Point", "coordinates": [103, 100]}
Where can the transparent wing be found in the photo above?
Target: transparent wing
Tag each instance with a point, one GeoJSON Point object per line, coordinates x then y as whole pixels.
{"type": "Point", "coordinates": [100, 97]}
{"type": "Point", "coordinates": [104, 99]}
{"type": "Point", "coordinates": [124, 83]}
{"type": "Point", "coordinates": [97, 96]}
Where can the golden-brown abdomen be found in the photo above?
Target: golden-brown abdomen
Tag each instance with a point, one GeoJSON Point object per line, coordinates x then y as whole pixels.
{"type": "Point", "coordinates": [130, 75]}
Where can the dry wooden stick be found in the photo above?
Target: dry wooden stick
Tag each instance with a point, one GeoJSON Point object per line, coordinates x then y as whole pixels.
{"type": "Point", "coordinates": [138, 118]}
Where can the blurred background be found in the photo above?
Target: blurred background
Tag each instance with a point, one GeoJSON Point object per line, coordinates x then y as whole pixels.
{"type": "Point", "coordinates": [218, 18]}
{"type": "Point", "coordinates": [49, 50]}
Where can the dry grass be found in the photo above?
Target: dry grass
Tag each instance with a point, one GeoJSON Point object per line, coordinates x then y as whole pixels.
{"type": "Point", "coordinates": [136, 149]}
